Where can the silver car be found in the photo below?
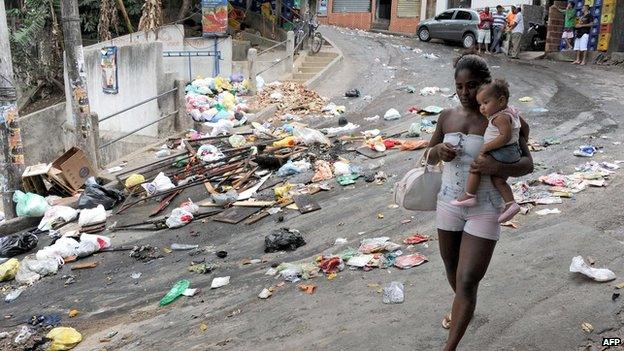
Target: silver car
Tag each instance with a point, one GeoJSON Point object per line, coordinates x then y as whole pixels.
{"type": "Point", "coordinates": [459, 25]}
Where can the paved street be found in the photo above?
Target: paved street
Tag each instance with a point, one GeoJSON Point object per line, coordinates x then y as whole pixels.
{"type": "Point", "coordinates": [527, 301]}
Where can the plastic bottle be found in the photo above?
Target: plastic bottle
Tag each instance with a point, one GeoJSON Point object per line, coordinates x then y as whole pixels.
{"type": "Point", "coordinates": [176, 291]}
{"type": "Point", "coordinates": [182, 247]}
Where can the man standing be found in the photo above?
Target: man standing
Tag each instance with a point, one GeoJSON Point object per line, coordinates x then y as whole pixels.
{"type": "Point", "coordinates": [517, 30]}
{"type": "Point", "coordinates": [581, 32]}
{"type": "Point", "coordinates": [485, 22]}
{"type": "Point", "coordinates": [498, 26]}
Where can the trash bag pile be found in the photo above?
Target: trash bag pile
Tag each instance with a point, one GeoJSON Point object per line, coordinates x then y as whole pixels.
{"type": "Point", "coordinates": [215, 99]}
{"type": "Point", "coordinates": [293, 100]}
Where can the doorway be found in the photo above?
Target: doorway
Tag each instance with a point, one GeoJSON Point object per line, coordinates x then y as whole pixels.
{"type": "Point", "coordinates": [382, 15]}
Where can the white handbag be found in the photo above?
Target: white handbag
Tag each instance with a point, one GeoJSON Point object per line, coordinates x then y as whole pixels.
{"type": "Point", "coordinates": [418, 190]}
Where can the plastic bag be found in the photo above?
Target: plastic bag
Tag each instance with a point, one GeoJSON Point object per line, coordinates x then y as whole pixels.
{"type": "Point", "coordinates": [392, 114]}
{"type": "Point", "coordinates": [578, 265]}
{"type": "Point", "coordinates": [209, 153]}
{"type": "Point", "coordinates": [134, 179]}
{"type": "Point", "coordinates": [15, 244]}
{"type": "Point", "coordinates": [290, 168]}
{"type": "Point", "coordinates": [8, 269]}
{"type": "Point", "coordinates": [322, 171]}
{"type": "Point", "coordinates": [95, 194]}
{"type": "Point", "coordinates": [222, 126]}
{"type": "Point", "coordinates": [310, 136]}
{"type": "Point", "coordinates": [341, 168]}
{"type": "Point", "coordinates": [283, 239]}
{"type": "Point", "coordinates": [176, 291]}
{"type": "Point", "coordinates": [29, 204]}
{"type": "Point", "coordinates": [178, 218]}
{"type": "Point", "coordinates": [159, 184]}
{"type": "Point", "coordinates": [63, 338]}
{"type": "Point", "coordinates": [190, 206]}
{"type": "Point", "coordinates": [24, 334]}
{"type": "Point", "coordinates": [63, 247]}
{"type": "Point", "coordinates": [57, 214]}
{"type": "Point", "coordinates": [393, 293]}
{"type": "Point", "coordinates": [237, 140]}
{"type": "Point", "coordinates": [224, 199]}
{"type": "Point", "coordinates": [92, 216]}
{"type": "Point", "coordinates": [90, 244]}
{"type": "Point", "coordinates": [32, 269]}
{"type": "Point", "coordinates": [409, 261]}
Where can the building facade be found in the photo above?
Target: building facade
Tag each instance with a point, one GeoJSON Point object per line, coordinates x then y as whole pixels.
{"type": "Point", "coordinates": [400, 16]}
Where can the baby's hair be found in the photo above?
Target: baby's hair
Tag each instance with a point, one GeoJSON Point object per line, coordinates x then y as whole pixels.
{"type": "Point", "coordinates": [499, 87]}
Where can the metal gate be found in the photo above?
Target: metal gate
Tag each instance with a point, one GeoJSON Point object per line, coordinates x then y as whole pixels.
{"type": "Point", "coordinates": [351, 6]}
{"type": "Point", "coordinates": [408, 8]}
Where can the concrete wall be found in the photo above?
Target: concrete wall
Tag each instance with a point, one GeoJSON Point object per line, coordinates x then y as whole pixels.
{"type": "Point", "coordinates": [172, 39]}
{"type": "Point", "coordinates": [140, 71]}
{"type": "Point", "coordinates": [360, 20]}
{"type": "Point", "coordinates": [407, 25]}
{"type": "Point", "coordinates": [43, 134]}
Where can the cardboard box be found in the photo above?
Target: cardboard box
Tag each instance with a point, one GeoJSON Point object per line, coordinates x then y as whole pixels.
{"type": "Point", "coordinates": [72, 168]}
{"type": "Point", "coordinates": [33, 179]}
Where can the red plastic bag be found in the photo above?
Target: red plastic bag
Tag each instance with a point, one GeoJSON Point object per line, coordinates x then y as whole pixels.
{"type": "Point", "coordinates": [409, 261]}
{"type": "Point", "coordinates": [415, 239]}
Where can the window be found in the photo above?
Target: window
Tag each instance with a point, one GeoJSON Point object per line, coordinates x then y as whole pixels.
{"type": "Point", "coordinates": [463, 15]}
{"type": "Point", "coordinates": [445, 15]}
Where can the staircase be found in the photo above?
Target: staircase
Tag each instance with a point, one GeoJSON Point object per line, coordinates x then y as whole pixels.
{"type": "Point", "coordinates": [312, 65]}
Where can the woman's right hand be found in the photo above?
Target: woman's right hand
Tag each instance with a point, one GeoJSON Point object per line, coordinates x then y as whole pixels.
{"type": "Point", "coordinates": [446, 152]}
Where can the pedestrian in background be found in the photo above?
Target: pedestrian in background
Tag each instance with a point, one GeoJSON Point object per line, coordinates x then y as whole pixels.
{"type": "Point", "coordinates": [483, 34]}
{"type": "Point", "coordinates": [517, 30]}
{"type": "Point", "coordinates": [582, 36]}
{"type": "Point", "coordinates": [511, 20]}
{"type": "Point", "coordinates": [568, 26]}
{"type": "Point", "coordinates": [498, 26]}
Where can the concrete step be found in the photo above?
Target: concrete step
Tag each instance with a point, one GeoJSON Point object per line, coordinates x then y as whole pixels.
{"type": "Point", "coordinates": [319, 59]}
{"type": "Point", "coordinates": [304, 76]}
{"type": "Point", "coordinates": [318, 65]}
{"type": "Point", "coordinates": [310, 69]}
{"type": "Point", "coordinates": [324, 54]}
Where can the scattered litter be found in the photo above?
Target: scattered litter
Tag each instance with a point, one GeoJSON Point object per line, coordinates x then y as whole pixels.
{"type": "Point", "coordinates": [29, 204]}
{"type": "Point", "coordinates": [393, 293]}
{"type": "Point", "coordinates": [353, 93]}
{"type": "Point", "coordinates": [72, 313]}
{"type": "Point", "coordinates": [547, 211]}
{"type": "Point", "coordinates": [578, 265]}
{"type": "Point", "coordinates": [340, 241]}
{"type": "Point", "coordinates": [585, 151]}
{"type": "Point", "coordinates": [427, 91]}
{"type": "Point", "coordinates": [431, 56]}
{"type": "Point", "coordinates": [135, 275]}
{"type": "Point", "coordinates": [24, 334]}
{"type": "Point", "coordinates": [409, 261]}
{"type": "Point", "coordinates": [13, 295]}
{"type": "Point", "coordinates": [16, 244]}
{"type": "Point", "coordinates": [392, 114]}
{"type": "Point", "coordinates": [63, 338]}
{"type": "Point", "coordinates": [265, 293]}
{"type": "Point", "coordinates": [8, 269]}
{"type": "Point", "coordinates": [372, 119]}
{"type": "Point", "coordinates": [538, 110]}
{"type": "Point", "coordinates": [283, 239]}
{"type": "Point", "coordinates": [307, 288]}
{"type": "Point", "coordinates": [176, 291]}
{"type": "Point", "coordinates": [525, 99]}
{"type": "Point", "coordinates": [95, 194]}
{"type": "Point", "coordinates": [220, 282]}
{"type": "Point", "coordinates": [415, 239]}
{"type": "Point", "coordinates": [587, 328]}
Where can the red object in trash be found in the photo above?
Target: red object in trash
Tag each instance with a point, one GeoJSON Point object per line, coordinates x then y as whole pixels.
{"type": "Point", "coordinates": [390, 143]}
{"type": "Point", "coordinates": [409, 261]}
{"type": "Point", "coordinates": [330, 265]}
{"type": "Point", "coordinates": [414, 109]}
{"type": "Point", "coordinates": [415, 239]}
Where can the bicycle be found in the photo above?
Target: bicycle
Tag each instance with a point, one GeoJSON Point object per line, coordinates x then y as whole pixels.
{"type": "Point", "coordinates": [315, 39]}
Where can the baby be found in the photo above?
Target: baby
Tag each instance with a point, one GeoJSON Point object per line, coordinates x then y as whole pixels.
{"type": "Point", "coordinates": [500, 142]}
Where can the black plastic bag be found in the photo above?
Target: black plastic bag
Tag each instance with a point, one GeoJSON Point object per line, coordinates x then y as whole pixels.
{"type": "Point", "coordinates": [283, 239]}
{"type": "Point", "coordinates": [352, 93]}
{"type": "Point", "coordinates": [95, 194]}
{"type": "Point", "coordinates": [16, 244]}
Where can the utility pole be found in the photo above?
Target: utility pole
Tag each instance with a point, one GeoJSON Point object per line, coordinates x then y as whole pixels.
{"type": "Point", "coordinates": [12, 161]}
{"type": "Point", "coordinates": [74, 64]}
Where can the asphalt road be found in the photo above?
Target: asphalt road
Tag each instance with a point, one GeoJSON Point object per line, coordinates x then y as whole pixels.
{"type": "Point", "coordinates": [527, 301]}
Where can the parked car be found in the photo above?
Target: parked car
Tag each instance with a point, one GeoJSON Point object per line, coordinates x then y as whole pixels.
{"type": "Point", "coordinates": [459, 25]}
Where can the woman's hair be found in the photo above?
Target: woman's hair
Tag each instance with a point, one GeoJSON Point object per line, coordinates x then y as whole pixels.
{"type": "Point", "coordinates": [499, 87]}
{"type": "Point", "coordinates": [475, 64]}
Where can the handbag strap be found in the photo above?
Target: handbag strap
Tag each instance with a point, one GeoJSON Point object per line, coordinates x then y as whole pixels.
{"type": "Point", "coordinates": [424, 159]}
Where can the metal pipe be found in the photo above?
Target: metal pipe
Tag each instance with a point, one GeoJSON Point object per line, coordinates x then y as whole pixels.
{"type": "Point", "coordinates": [136, 130]}
{"type": "Point", "coordinates": [138, 104]}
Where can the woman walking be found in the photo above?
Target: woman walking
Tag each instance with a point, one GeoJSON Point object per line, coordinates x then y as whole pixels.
{"type": "Point", "coordinates": [467, 236]}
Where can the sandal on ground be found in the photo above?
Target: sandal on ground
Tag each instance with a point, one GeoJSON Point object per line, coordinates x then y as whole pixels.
{"type": "Point", "coordinates": [446, 322]}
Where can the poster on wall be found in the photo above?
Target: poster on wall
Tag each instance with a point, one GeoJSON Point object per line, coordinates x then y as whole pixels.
{"type": "Point", "coordinates": [108, 62]}
{"type": "Point", "coordinates": [322, 8]}
{"type": "Point", "coordinates": [214, 17]}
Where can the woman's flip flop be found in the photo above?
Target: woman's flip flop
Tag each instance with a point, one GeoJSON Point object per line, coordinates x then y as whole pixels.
{"type": "Point", "coordinates": [446, 322]}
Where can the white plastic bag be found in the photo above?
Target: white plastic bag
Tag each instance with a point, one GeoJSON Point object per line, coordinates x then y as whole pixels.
{"type": "Point", "coordinates": [578, 265]}
{"type": "Point", "coordinates": [341, 168]}
{"type": "Point", "coordinates": [63, 247]}
{"type": "Point", "coordinates": [310, 136]}
{"type": "Point", "coordinates": [393, 293]}
{"type": "Point", "coordinates": [178, 218]}
{"type": "Point", "coordinates": [222, 126]}
{"type": "Point", "coordinates": [32, 269]}
{"type": "Point", "coordinates": [57, 213]}
{"type": "Point", "coordinates": [159, 184]}
{"type": "Point", "coordinates": [392, 114]}
{"type": "Point", "coordinates": [209, 153]}
{"type": "Point", "coordinates": [92, 216]}
{"type": "Point", "coordinates": [190, 206]}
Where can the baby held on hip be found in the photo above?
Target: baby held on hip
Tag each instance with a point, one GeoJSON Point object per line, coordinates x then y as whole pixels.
{"type": "Point", "coordinates": [500, 142]}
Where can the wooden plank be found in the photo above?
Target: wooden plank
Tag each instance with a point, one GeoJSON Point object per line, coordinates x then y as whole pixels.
{"type": "Point", "coordinates": [306, 203]}
{"type": "Point", "coordinates": [235, 215]}
{"type": "Point", "coordinates": [84, 265]}
{"type": "Point", "coordinates": [366, 151]}
{"type": "Point", "coordinates": [210, 188]}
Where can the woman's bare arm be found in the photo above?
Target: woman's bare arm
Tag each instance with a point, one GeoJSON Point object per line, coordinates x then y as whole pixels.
{"type": "Point", "coordinates": [439, 151]}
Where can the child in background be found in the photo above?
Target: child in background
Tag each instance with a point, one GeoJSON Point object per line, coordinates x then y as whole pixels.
{"type": "Point", "coordinates": [500, 142]}
{"type": "Point", "coordinates": [568, 26]}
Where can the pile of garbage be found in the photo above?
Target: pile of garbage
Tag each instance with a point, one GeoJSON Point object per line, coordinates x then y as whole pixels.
{"type": "Point", "coordinates": [291, 98]}
{"type": "Point", "coordinates": [215, 99]}
{"type": "Point", "coordinates": [372, 253]}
